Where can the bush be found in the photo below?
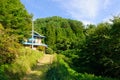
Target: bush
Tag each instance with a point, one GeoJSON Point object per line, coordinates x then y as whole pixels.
{"type": "Point", "coordinates": [49, 51]}
{"type": "Point", "coordinates": [8, 49]}
{"type": "Point", "coordinates": [60, 70]}
{"type": "Point", "coordinates": [3, 76]}
{"type": "Point", "coordinates": [41, 48]}
{"type": "Point", "coordinates": [23, 63]}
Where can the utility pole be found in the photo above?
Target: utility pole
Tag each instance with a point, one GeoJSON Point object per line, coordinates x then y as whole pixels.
{"type": "Point", "coordinates": [32, 33]}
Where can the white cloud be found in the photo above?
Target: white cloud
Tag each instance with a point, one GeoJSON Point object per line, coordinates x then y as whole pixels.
{"type": "Point", "coordinates": [107, 19]}
{"type": "Point", "coordinates": [110, 17]}
{"type": "Point", "coordinates": [85, 22]}
{"type": "Point", "coordinates": [83, 9]}
{"type": "Point", "coordinates": [106, 3]}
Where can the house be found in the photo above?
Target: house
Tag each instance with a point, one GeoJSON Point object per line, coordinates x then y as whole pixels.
{"type": "Point", "coordinates": [35, 41]}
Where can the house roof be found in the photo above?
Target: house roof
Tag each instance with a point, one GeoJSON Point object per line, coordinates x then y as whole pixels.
{"type": "Point", "coordinates": [35, 44]}
{"type": "Point", "coordinates": [36, 34]}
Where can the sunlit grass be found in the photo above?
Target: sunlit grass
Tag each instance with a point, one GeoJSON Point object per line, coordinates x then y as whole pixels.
{"type": "Point", "coordinates": [38, 72]}
{"type": "Point", "coordinates": [23, 64]}
{"type": "Point", "coordinates": [60, 70]}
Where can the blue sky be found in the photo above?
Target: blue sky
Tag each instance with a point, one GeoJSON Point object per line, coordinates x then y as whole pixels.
{"type": "Point", "coordinates": [87, 11]}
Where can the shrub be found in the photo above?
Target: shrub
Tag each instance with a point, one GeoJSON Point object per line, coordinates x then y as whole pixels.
{"type": "Point", "coordinates": [23, 63]}
{"type": "Point", "coordinates": [3, 76]}
{"type": "Point", "coordinates": [41, 48]}
{"type": "Point", "coordinates": [49, 51]}
{"type": "Point", "coordinates": [60, 70]}
{"type": "Point", "coordinates": [8, 49]}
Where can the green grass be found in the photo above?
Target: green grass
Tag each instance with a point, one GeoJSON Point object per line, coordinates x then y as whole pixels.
{"type": "Point", "coordinates": [22, 64]}
{"type": "Point", "coordinates": [38, 72]}
{"type": "Point", "coordinates": [60, 70]}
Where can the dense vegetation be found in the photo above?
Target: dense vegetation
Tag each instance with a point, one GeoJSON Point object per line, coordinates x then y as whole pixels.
{"type": "Point", "coordinates": [14, 17]}
{"type": "Point", "coordinates": [91, 49]}
{"type": "Point", "coordinates": [15, 24]}
{"type": "Point", "coordinates": [21, 65]}
{"type": "Point", "coordinates": [101, 52]}
{"type": "Point", "coordinates": [60, 70]}
{"type": "Point", "coordinates": [61, 34]}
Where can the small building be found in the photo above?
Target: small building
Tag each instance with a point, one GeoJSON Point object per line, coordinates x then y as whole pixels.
{"type": "Point", "coordinates": [35, 41]}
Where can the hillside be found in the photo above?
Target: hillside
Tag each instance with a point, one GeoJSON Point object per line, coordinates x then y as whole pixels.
{"type": "Point", "coordinates": [89, 52]}
{"type": "Point", "coordinates": [92, 49]}
{"type": "Point", "coordinates": [61, 34]}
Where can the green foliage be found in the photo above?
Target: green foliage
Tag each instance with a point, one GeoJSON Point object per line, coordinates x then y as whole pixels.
{"type": "Point", "coordinates": [61, 34]}
{"type": "Point", "coordinates": [60, 70]}
{"type": "Point", "coordinates": [1, 27]}
{"type": "Point", "coordinates": [100, 55]}
{"type": "Point", "coordinates": [22, 64]}
{"type": "Point", "coordinates": [41, 48]}
{"type": "Point", "coordinates": [94, 49]}
{"type": "Point", "coordinates": [13, 27]}
{"type": "Point", "coordinates": [49, 51]}
{"type": "Point", "coordinates": [8, 49]}
{"type": "Point", "coordinates": [3, 76]}
{"type": "Point", "coordinates": [14, 18]}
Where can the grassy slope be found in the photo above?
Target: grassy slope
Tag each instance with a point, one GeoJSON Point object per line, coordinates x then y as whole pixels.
{"type": "Point", "coordinates": [22, 65]}
{"type": "Point", "coordinates": [60, 70]}
{"type": "Point", "coordinates": [31, 68]}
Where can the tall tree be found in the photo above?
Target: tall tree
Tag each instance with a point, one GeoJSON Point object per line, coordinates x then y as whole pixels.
{"type": "Point", "coordinates": [14, 17]}
{"type": "Point", "coordinates": [101, 53]}
{"type": "Point", "coordinates": [61, 34]}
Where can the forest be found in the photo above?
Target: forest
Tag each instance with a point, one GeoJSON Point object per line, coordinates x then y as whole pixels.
{"type": "Point", "coordinates": [94, 49]}
{"type": "Point", "coordinates": [82, 52]}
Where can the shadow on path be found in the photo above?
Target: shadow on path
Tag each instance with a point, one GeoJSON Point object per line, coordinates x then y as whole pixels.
{"type": "Point", "coordinates": [39, 70]}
